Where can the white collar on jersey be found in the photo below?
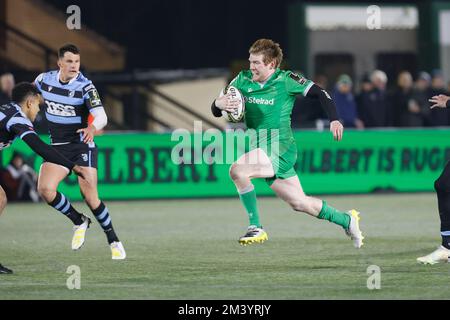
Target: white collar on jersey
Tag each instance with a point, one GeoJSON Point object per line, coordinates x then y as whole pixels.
{"type": "Point", "coordinates": [19, 109]}
{"type": "Point", "coordinates": [70, 82]}
{"type": "Point", "coordinates": [263, 83]}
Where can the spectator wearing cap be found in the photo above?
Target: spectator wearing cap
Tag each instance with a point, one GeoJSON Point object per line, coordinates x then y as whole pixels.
{"type": "Point", "coordinates": [345, 103]}
{"type": "Point", "coordinates": [375, 104]}
{"type": "Point", "coordinates": [438, 116]}
{"type": "Point", "coordinates": [419, 107]}
{"type": "Point", "coordinates": [365, 86]}
{"type": "Point", "coordinates": [7, 84]}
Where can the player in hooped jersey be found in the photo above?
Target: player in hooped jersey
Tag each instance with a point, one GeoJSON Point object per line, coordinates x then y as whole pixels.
{"type": "Point", "coordinates": [69, 99]}
{"type": "Point", "coordinates": [15, 122]}
{"type": "Point", "coordinates": [270, 94]}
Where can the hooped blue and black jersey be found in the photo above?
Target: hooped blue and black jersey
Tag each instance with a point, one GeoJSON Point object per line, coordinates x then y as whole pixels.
{"type": "Point", "coordinates": [13, 124]}
{"type": "Point", "coordinates": [67, 105]}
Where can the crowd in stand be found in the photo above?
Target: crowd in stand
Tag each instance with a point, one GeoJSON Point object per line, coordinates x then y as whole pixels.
{"type": "Point", "coordinates": [374, 105]}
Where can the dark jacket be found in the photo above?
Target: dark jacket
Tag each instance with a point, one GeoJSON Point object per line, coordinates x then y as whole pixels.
{"type": "Point", "coordinates": [346, 107]}
{"type": "Point", "coordinates": [374, 109]}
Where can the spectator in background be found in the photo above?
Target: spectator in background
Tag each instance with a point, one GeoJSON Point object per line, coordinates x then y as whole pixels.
{"type": "Point", "coordinates": [307, 111]}
{"type": "Point", "coordinates": [438, 116]}
{"type": "Point", "coordinates": [419, 107]}
{"type": "Point", "coordinates": [374, 104]}
{"type": "Point", "coordinates": [7, 84]}
{"type": "Point", "coordinates": [19, 180]}
{"type": "Point", "coordinates": [345, 103]}
{"type": "Point", "coordinates": [403, 113]}
{"type": "Point", "coordinates": [365, 87]}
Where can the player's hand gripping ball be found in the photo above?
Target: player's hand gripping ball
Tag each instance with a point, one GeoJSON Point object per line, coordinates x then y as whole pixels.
{"type": "Point", "coordinates": [238, 114]}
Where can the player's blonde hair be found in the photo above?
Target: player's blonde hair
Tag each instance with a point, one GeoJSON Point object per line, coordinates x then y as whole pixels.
{"type": "Point", "coordinates": [270, 50]}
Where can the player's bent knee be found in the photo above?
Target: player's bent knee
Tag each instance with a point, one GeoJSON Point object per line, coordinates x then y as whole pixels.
{"type": "Point", "coordinates": [47, 193]}
{"type": "Point", "coordinates": [236, 172]}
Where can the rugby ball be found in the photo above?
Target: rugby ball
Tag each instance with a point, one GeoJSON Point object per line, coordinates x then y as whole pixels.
{"type": "Point", "coordinates": [238, 114]}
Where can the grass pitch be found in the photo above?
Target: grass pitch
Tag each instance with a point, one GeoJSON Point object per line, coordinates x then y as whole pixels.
{"type": "Point", "coordinates": [188, 249]}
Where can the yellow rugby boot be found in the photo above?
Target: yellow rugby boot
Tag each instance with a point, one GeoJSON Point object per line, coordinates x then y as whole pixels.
{"type": "Point", "coordinates": [80, 233]}
{"type": "Point", "coordinates": [117, 251]}
{"type": "Point", "coordinates": [253, 235]}
{"type": "Point", "coordinates": [353, 230]}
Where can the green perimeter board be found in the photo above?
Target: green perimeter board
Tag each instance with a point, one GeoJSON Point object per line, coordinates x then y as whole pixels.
{"type": "Point", "coordinates": [139, 166]}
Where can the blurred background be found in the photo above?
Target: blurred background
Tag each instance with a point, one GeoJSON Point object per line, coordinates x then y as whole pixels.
{"type": "Point", "coordinates": [159, 64]}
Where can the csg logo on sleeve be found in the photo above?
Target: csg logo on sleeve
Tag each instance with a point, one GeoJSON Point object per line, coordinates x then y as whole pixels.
{"type": "Point", "coordinates": [94, 98]}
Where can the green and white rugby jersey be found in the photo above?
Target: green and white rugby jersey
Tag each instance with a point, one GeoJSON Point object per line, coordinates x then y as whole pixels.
{"type": "Point", "coordinates": [269, 106]}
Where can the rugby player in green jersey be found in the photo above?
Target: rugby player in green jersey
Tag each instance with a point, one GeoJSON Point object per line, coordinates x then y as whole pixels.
{"type": "Point", "coordinates": [270, 94]}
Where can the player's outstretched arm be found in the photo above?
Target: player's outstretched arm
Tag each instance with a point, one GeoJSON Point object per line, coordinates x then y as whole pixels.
{"type": "Point", "coordinates": [51, 155]}
{"type": "Point", "coordinates": [330, 108]}
{"type": "Point", "coordinates": [441, 101]}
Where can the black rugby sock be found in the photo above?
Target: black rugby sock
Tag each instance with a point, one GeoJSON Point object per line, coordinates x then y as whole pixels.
{"type": "Point", "coordinates": [103, 218]}
{"type": "Point", "coordinates": [63, 205]}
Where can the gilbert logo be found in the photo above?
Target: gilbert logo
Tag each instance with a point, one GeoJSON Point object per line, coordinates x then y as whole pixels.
{"type": "Point", "coordinates": [262, 101]}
